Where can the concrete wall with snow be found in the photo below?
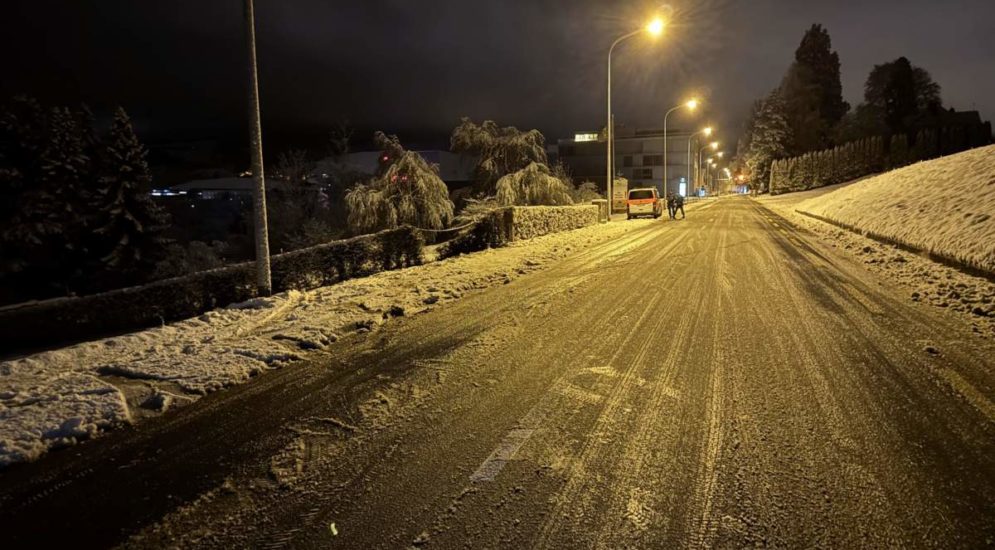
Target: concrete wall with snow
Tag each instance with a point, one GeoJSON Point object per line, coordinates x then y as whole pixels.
{"type": "Point", "coordinates": [535, 221]}
{"type": "Point", "coordinates": [945, 207]}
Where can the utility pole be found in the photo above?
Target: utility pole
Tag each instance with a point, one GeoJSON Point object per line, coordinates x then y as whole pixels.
{"type": "Point", "coordinates": [263, 281]}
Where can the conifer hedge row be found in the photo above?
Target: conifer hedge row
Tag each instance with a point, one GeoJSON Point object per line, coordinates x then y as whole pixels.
{"type": "Point", "coordinates": [871, 155]}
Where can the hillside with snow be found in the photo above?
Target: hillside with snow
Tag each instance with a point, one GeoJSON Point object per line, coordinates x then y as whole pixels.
{"type": "Point", "coordinates": [944, 206]}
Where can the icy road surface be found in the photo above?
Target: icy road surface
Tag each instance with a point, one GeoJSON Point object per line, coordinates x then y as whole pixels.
{"type": "Point", "coordinates": [722, 381]}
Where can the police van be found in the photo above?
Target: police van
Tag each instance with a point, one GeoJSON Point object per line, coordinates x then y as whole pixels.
{"type": "Point", "coordinates": [644, 201]}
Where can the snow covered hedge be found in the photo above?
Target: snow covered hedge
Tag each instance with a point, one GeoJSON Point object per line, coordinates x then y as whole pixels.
{"type": "Point", "coordinates": [503, 225]}
{"type": "Point", "coordinates": [72, 319]}
{"type": "Point", "coordinates": [529, 222]}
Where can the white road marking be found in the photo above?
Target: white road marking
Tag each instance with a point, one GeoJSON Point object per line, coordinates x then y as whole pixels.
{"type": "Point", "coordinates": [504, 452]}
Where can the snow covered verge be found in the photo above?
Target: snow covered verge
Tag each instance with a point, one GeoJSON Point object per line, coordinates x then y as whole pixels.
{"type": "Point", "coordinates": [86, 317]}
{"type": "Point", "coordinates": [969, 297]}
{"type": "Point", "coordinates": [60, 397]}
{"type": "Point", "coordinates": [944, 207]}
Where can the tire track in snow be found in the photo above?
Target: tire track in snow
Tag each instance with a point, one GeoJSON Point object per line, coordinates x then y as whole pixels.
{"type": "Point", "coordinates": [647, 326]}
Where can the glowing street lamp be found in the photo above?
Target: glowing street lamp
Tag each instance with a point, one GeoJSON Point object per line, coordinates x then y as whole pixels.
{"type": "Point", "coordinates": [708, 132]}
{"type": "Point", "coordinates": [691, 105]}
{"type": "Point", "coordinates": [654, 28]}
{"type": "Point", "coordinates": [713, 146]}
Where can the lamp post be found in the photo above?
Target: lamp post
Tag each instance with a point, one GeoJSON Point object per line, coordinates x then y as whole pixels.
{"type": "Point", "coordinates": [710, 171]}
{"type": "Point", "coordinates": [707, 132]}
{"type": "Point", "coordinates": [713, 145]}
{"type": "Point", "coordinates": [654, 28]}
{"type": "Point", "coordinates": [263, 280]}
{"type": "Point", "coordinates": [715, 167]}
{"type": "Point", "coordinates": [691, 105]}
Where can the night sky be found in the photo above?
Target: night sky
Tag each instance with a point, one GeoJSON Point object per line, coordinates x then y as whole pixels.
{"type": "Point", "coordinates": [414, 67]}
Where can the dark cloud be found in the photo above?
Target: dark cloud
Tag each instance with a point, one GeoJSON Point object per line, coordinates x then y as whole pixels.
{"type": "Point", "coordinates": [416, 67]}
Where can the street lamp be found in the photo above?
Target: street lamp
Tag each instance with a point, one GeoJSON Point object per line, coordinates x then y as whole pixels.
{"type": "Point", "coordinates": [708, 132]}
{"type": "Point", "coordinates": [709, 177]}
{"type": "Point", "coordinates": [691, 106]}
{"type": "Point", "coordinates": [264, 282]}
{"type": "Point", "coordinates": [713, 145]}
{"type": "Point", "coordinates": [653, 28]}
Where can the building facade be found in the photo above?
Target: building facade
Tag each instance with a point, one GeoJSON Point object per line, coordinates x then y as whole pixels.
{"type": "Point", "coordinates": [638, 158]}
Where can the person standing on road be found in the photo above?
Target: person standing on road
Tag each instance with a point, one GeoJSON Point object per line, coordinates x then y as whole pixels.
{"type": "Point", "coordinates": [678, 204]}
{"type": "Point", "coordinates": [670, 205]}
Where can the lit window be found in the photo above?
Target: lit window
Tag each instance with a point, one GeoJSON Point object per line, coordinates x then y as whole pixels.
{"type": "Point", "coordinates": [585, 137]}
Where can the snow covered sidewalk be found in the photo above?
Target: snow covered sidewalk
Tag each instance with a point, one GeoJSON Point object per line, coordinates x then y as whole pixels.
{"type": "Point", "coordinates": [60, 397]}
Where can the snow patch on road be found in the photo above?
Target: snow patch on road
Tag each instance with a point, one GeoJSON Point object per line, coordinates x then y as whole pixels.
{"type": "Point", "coordinates": [63, 396]}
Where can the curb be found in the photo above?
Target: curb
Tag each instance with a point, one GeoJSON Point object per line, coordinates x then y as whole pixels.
{"type": "Point", "coordinates": [936, 257]}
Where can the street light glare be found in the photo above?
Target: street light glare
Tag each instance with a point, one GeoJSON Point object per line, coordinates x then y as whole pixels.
{"type": "Point", "coordinates": [707, 131]}
{"type": "Point", "coordinates": [655, 27]}
{"type": "Point", "coordinates": [693, 104]}
{"type": "Point", "coordinates": [714, 145]}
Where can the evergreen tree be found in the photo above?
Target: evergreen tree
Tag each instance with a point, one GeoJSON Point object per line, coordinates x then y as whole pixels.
{"type": "Point", "coordinates": [813, 92]}
{"type": "Point", "coordinates": [75, 214]}
{"type": "Point", "coordinates": [815, 53]}
{"type": "Point", "coordinates": [128, 224]}
{"type": "Point", "coordinates": [50, 179]}
{"type": "Point", "coordinates": [769, 138]}
{"type": "Point", "coordinates": [897, 91]}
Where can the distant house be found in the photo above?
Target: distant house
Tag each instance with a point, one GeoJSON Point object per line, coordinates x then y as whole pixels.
{"type": "Point", "coordinates": [215, 188]}
{"type": "Point", "coordinates": [455, 170]}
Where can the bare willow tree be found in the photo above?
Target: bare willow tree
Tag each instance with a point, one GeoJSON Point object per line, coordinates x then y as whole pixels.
{"type": "Point", "coordinates": [405, 190]}
{"type": "Point", "coordinates": [299, 210]}
{"type": "Point", "coordinates": [533, 185]}
{"type": "Point", "coordinates": [500, 151]}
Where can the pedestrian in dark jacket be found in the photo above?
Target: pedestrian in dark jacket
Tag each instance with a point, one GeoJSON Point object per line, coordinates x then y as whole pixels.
{"type": "Point", "coordinates": [679, 205]}
{"type": "Point", "coordinates": [671, 205]}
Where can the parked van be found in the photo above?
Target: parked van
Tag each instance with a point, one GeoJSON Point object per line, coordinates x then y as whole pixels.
{"type": "Point", "coordinates": [644, 201]}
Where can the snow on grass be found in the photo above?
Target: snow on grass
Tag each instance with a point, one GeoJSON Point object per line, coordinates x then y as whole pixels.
{"type": "Point", "coordinates": [39, 412]}
{"type": "Point", "coordinates": [945, 207]}
{"type": "Point", "coordinates": [63, 396]}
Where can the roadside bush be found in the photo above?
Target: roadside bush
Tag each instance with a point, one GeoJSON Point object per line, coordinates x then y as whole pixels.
{"type": "Point", "coordinates": [492, 230]}
{"type": "Point", "coordinates": [503, 225]}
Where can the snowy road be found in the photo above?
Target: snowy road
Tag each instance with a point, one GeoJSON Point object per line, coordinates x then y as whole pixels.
{"type": "Point", "coordinates": [720, 381]}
